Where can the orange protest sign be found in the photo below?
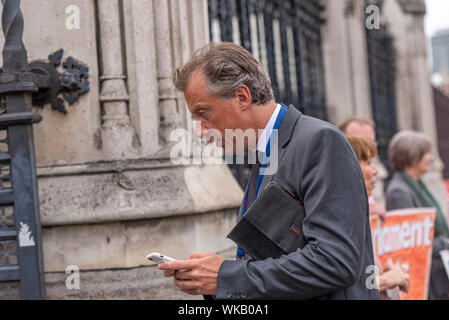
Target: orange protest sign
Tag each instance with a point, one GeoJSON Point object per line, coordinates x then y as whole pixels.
{"type": "Point", "coordinates": [406, 238]}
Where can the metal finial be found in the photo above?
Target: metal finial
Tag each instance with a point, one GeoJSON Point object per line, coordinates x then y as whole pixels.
{"type": "Point", "coordinates": [14, 52]}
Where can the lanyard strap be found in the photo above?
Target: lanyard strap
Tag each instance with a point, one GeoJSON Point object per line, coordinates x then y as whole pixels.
{"type": "Point", "coordinates": [266, 156]}
{"type": "Point", "coordinates": [263, 165]}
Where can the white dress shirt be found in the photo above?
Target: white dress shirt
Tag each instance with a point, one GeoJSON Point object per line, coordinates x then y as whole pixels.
{"type": "Point", "coordinates": [266, 134]}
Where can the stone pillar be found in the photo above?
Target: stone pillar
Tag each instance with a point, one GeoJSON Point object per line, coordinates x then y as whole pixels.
{"type": "Point", "coordinates": [347, 72]}
{"type": "Point", "coordinates": [415, 103]}
{"type": "Point", "coordinates": [340, 102]}
{"type": "Point", "coordinates": [139, 32]}
{"type": "Point", "coordinates": [168, 100]}
{"type": "Point", "coordinates": [358, 53]}
{"type": "Point", "coordinates": [117, 133]}
{"type": "Point", "coordinates": [425, 111]}
{"type": "Point", "coordinates": [345, 58]}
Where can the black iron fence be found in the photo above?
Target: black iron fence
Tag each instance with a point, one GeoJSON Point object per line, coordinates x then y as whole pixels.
{"type": "Point", "coordinates": [21, 257]}
{"type": "Point", "coordinates": [382, 73]}
{"type": "Point", "coordinates": [285, 36]}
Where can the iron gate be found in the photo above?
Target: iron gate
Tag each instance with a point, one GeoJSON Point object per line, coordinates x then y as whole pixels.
{"type": "Point", "coordinates": [21, 261]}
{"type": "Point", "coordinates": [382, 71]}
{"type": "Point", "coordinates": [285, 36]}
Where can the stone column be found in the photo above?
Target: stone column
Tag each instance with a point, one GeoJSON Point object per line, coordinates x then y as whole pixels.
{"type": "Point", "coordinates": [358, 57]}
{"type": "Point", "coordinates": [347, 72]}
{"type": "Point", "coordinates": [345, 58]}
{"type": "Point", "coordinates": [170, 115]}
{"type": "Point", "coordinates": [143, 90]}
{"type": "Point", "coordinates": [117, 134]}
{"type": "Point", "coordinates": [425, 110]}
{"type": "Point", "coordinates": [336, 64]}
{"type": "Point", "coordinates": [415, 99]}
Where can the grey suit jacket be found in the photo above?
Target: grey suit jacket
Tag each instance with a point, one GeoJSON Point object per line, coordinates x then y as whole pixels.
{"type": "Point", "coordinates": [399, 194]}
{"type": "Point", "coordinates": [317, 163]}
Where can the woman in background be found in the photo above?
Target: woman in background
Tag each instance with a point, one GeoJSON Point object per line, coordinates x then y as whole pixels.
{"type": "Point", "coordinates": [392, 278]}
{"type": "Point", "coordinates": [409, 153]}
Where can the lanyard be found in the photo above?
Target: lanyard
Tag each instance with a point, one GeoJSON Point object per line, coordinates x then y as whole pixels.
{"type": "Point", "coordinates": [263, 165]}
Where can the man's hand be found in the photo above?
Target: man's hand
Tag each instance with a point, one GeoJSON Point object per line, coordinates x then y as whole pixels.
{"type": "Point", "coordinates": [393, 276]}
{"type": "Point", "coordinates": [197, 275]}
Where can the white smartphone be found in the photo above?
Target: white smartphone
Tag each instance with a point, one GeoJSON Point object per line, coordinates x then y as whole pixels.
{"type": "Point", "coordinates": [156, 257]}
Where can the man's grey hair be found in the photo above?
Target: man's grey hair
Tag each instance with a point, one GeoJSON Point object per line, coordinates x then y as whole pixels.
{"type": "Point", "coordinates": [407, 148]}
{"type": "Point", "coordinates": [226, 66]}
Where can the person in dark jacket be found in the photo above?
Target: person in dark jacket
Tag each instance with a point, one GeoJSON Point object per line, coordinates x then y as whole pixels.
{"type": "Point", "coordinates": [227, 89]}
{"type": "Point", "coordinates": [410, 155]}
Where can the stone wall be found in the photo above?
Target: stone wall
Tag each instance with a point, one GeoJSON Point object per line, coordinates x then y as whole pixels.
{"type": "Point", "coordinates": [415, 105]}
{"type": "Point", "coordinates": [109, 193]}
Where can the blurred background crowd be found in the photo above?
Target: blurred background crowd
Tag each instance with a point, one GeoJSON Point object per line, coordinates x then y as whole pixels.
{"type": "Point", "coordinates": [410, 155]}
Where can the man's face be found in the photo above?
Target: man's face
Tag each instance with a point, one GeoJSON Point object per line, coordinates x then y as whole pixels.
{"type": "Point", "coordinates": [362, 130]}
{"type": "Point", "coordinates": [215, 113]}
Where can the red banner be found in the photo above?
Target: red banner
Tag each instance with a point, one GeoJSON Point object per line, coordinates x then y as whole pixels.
{"type": "Point", "coordinates": [406, 238]}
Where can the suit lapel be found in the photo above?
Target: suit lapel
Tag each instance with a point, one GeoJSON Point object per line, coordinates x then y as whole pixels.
{"type": "Point", "coordinates": [287, 126]}
{"type": "Point", "coordinates": [265, 180]}
{"type": "Point", "coordinates": [284, 135]}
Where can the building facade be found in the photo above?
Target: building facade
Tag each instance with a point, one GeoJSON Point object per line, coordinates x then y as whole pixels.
{"type": "Point", "coordinates": [440, 52]}
{"type": "Point", "coordinates": [108, 188]}
{"type": "Point", "coordinates": [440, 60]}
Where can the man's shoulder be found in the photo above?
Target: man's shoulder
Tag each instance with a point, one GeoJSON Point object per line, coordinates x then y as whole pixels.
{"type": "Point", "coordinates": [308, 128]}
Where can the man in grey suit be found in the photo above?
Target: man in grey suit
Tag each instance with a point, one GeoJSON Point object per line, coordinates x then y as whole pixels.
{"type": "Point", "coordinates": [226, 88]}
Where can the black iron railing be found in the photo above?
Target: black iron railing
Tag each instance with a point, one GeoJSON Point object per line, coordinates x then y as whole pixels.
{"type": "Point", "coordinates": [285, 36]}
{"type": "Point", "coordinates": [382, 72]}
{"type": "Point", "coordinates": [21, 260]}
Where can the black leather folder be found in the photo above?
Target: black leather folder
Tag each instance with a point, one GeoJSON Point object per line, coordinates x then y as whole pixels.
{"type": "Point", "coordinates": [272, 226]}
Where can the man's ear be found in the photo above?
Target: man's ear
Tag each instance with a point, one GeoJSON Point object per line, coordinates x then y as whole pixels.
{"type": "Point", "coordinates": [243, 96]}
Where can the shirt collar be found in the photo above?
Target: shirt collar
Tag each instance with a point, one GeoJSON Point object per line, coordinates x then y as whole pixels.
{"type": "Point", "coordinates": [266, 134]}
